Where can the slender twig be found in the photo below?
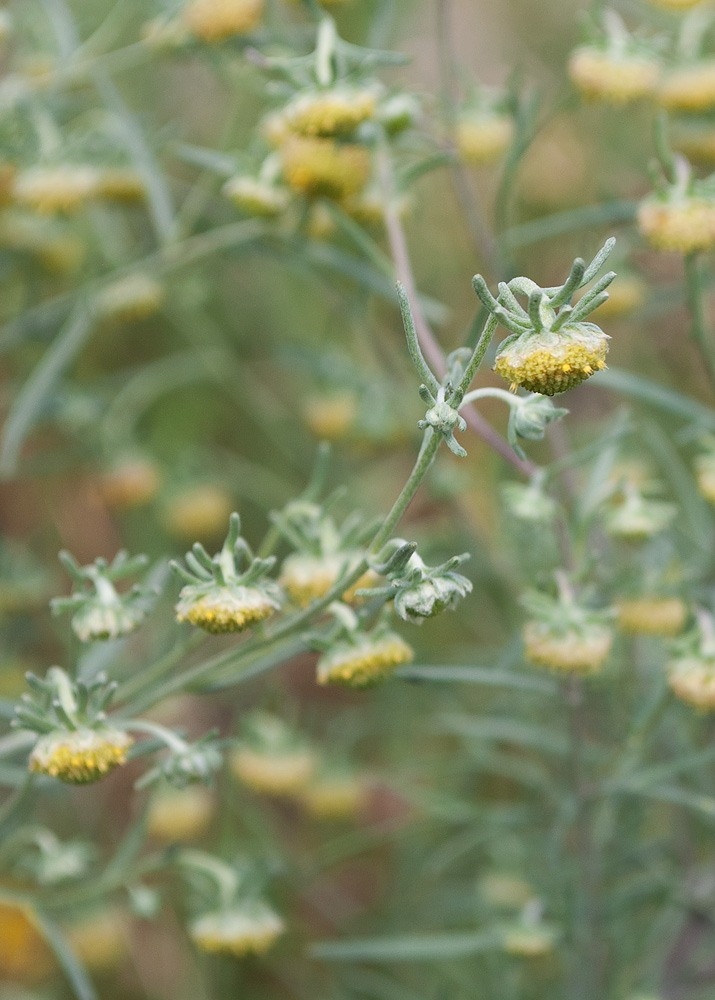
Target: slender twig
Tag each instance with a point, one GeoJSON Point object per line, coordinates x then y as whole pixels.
{"type": "Point", "coordinates": [430, 348]}
{"type": "Point", "coordinates": [699, 330]}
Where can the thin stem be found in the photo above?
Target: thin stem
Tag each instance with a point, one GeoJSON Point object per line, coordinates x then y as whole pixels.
{"type": "Point", "coordinates": [430, 348]}
{"type": "Point", "coordinates": [696, 302]}
{"type": "Point", "coordinates": [257, 645]}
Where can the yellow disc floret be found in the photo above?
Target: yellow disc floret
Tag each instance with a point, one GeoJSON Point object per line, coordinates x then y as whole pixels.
{"type": "Point", "coordinates": [250, 929]}
{"type": "Point", "coordinates": [49, 190]}
{"type": "Point", "coordinates": [233, 608]}
{"type": "Point", "coordinates": [483, 138]}
{"type": "Point", "coordinates": [330, 113]}
{"type": "Point", "coordinates": [689, 88]}
{"type": "Point", "coordinates": [682, 225]}
{"type": "Point", "coordinates": [550, 363]}
{"type": "Point", "coordinates": [274, 772]}
{"type": "Point", "coordinates": [604, 76]}
{"type": "Point", "coordinates": [662, 616]}
{"type": "Point", "coordinates": [256, 197]}
{"type": "Point", "coordinates": [179, 815]}
{"type": "Point", "coordinates": [578, 651]}
{"type": "Point", "coordinates": [692, 679]}
{"type": "Point", "coordinates": [322, 167]}
{"type": "Point", "coordinates": [216, 20]}
{"type": "Point", "coordinates": [80, 756]}
{"type": "Point", "coordinates": [364, 662]}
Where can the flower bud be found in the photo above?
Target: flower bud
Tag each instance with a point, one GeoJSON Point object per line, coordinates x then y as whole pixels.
{"type": "Point", "coordinates": [248, 928]}
{"type": "Point", "coordinates": [578, 650]}
{"type": "Point", "coordinates": [323, 168]}
{"type": "Point", "coordinates": [82, 756]}
{"type": "Point", "coordinates": [423, 593]}
{"type": "Point", "coordinates": [256, 197]}
{"type": "Point", "coordinates": [692, 679]}
{"type": "Point", "coordinates": [616, 78]}
{"type": "Point", "coordinates": [660, 616]}
{"type": "Point", "coordinates": [398, 112]}
{"type": "Point", "coordinates": [552, 362]}
{"type": "Point", "coordinates": [217, 20]}
{"type": "Point", "coordinates": [689, 88]}
{"type": "Point", "coordinates": [483, 137]}
{"type": "Point", "coordinates": [363, 661]}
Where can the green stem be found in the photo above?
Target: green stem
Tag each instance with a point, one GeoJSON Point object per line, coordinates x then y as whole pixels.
{"type": "Point", "coordinates": [696, 302]}
{"type": "Point", "coordinates": [258, 644]}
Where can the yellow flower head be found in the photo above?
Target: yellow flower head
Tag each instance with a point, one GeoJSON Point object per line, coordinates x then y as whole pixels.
{"type": "Point", "coordinates": [335, 797]}
{"type": "Point", "coordinates": [100, 939]}
{"type": "Point", "coordinates": [257, 197]}
{"type": "Point", "coordinates": [661, 616]}
{"type": "Point", "coordinates": [232, 608]}
{"type": "Point", "coordinates": [692, 679]}
{"type": "Point", "coordinates": [601, 75]}
{"type": "Point", "coordinates": [133, 481]}
{"type": "Point", "coordinates": [120, 184]}
{"type": "Point", "coordinates": [324, 168]}
{"type": "Point", "coordinates": [705, 475]}
{"type": "Point", "coordinates": [198, 512]}
{"type": "Point", "coordinates": [676, 4]}
{"type": "Point", "coordinates": [50, 190]}
{"type": "Point", "coordinates": [364, 661]}
{"type": "Point", "coordinates": [80, 756]}
{"type": "Point", "coordinates": [24, 956]}
{"type": "Point", "coordinates": [135, 297]}
{"type": "Point", "coordinates": [274, 771]}
{"type": "Point", "coordinates": [306, 578]}
{"type": "Point", "coordinates": [331, 417]}
{"type": "Point", "coordinates": [217, 20]}
{"type": "Point", "coordinates": [683, 225]}
{"type": "Point", "coordinates": [550, 362]}
{"type": "Point", "coordinates": [180, 815]}
{"type": "Point", "coordinates": [482, 138]}
{"type": "Point", "coordinates": [244, 929]}
{"type": "Point", "coordinates": [330, 113]}
{"type": "Point", "coordinates": [689, 88]}
{"type": "Point", "coordinates": [529, 941]}
{"type": "Point", "coordinates": [574, 650]}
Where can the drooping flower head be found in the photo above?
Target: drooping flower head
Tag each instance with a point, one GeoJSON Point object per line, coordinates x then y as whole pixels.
{"type": "Point", "coordinates": [100, 610]}
{"type": "Point", "coordinates": [615, 67]}
{"type": "Point", "coordinates": [551, 348]}
{"type": "Point", "coordinates": [679, 216]}
{"type": "Point", "coordinates": [324, 550]}
{"type": "Point", "coordinates": [228, 592]}
{"type": "Point", "coordinates": [691, 669]}
{"type": "Point", "coordinates": [565, 635]}
{"type": "Point", "coordinates": [75, 742]}
{"type": "Point", "coordinates": [358, 658]}
{"type": "Point", "coordinates": [272, 758]}
{"type": "Point", "coordinates": [249, 928]}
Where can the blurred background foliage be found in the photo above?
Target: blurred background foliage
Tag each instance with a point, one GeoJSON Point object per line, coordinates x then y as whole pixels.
{"type": "Point", "coordinates": [474, 773]}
